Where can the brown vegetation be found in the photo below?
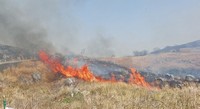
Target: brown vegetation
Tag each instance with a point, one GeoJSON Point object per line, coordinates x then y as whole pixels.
{"type": "Point", "coordinates": [158, 62]}
{"type": "Point", "coordinates": [51, 93]}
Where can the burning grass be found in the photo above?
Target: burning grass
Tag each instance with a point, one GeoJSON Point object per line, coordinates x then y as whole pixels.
{"type": "Point", "coordinates": [85, 73]}
{"type": "Point", "coordinates": [51, 93]}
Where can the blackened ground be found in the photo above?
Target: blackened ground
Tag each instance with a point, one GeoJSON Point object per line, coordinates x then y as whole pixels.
{"type": "Point", "coordinates": [99, 68]}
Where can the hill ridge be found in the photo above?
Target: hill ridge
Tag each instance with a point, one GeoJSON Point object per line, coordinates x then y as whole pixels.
{"type": "Point", "coordinates": [177, 48]}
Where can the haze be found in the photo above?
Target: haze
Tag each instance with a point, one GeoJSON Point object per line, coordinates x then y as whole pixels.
{"type": "Point", "coordinates": [106, 27]}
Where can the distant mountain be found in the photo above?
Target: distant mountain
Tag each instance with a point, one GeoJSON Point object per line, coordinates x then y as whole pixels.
{"type": "Point", "coordinates": [178, 48]}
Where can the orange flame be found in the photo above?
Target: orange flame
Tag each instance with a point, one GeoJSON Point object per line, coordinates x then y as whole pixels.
{"type": "Point", "coordinates": [84, 72]}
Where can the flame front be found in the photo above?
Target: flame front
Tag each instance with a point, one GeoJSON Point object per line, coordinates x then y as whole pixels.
{"type": "Point", "coordinates": [84, 72]}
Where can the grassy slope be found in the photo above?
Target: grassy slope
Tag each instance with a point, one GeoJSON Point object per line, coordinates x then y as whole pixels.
{"type": "Point", "coordinates": [157, 62]}
{"type": "Point", "coordinates": [50, 93]}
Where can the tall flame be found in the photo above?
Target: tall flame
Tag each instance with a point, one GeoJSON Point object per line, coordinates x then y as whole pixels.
{"type": "Point", "coordinates": [84, 72]}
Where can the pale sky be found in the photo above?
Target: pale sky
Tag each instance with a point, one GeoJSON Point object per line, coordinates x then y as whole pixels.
{"type": "Point", "coordinates": [124, 25]}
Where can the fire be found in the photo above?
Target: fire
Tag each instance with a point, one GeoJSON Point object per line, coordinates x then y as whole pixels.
{"type": "Point", "coordinates": [138, 79]}
{"type": "Point", "coordinates": [84, 72]}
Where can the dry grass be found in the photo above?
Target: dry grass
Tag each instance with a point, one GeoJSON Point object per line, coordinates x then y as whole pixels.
{"type": "Point", "coordinates": [158, 62]}
{"type": "Point", "coordinates": [50, 93]}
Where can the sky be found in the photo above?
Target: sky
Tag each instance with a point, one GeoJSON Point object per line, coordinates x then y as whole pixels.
{"type": "Point", "coordinates": [119, 27]}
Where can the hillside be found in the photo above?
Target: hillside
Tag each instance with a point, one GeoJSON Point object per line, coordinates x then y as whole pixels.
{"type": "Point", "coordinates": [32, 85]}
{"type": "Point", "coordinates": [49, 91]}
{"type": "Point", "coordinates": [191, 46]}
{"type": "Point", "coordinates": [178, 60]}
{"type": "Point", "coordinates": [10, 53]}
{"type": "Point", "coordinates": [179, 64]}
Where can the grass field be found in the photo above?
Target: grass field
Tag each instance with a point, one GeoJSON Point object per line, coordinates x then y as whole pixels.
{"type": "Point", "coordinates": [160, 62]}
{"type": "Point", "coordinates": [21, 92]}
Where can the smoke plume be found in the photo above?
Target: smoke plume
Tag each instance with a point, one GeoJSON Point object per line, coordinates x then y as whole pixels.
{"type": "Point", "coordinates": [35, 25]}
{"type": "Point", "coordinates": [100, 46]}
{"type": "Point", "coordinates": [19, 30]}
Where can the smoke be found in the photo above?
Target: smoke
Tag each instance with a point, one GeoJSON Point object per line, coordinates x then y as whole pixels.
{"type": "Point", "coordinates": [100, 46]}
{"type": "Point", "coordinates": [36, 25]}
{"type": "Point", "coordinates": [19, 30]}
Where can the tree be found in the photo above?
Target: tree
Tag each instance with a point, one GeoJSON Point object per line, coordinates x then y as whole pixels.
{"type": "Point", "coordinates": [140, 53]}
